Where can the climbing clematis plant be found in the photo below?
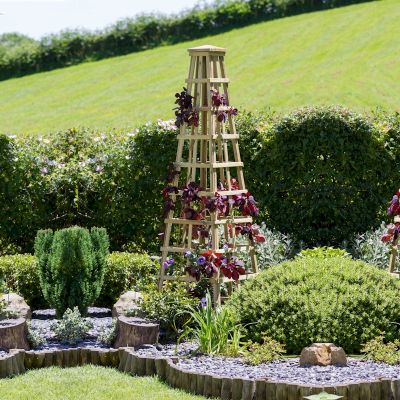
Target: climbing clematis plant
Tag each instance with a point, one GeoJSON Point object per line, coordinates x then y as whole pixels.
{"type": "Point", "coordinates": [208, 263]}
{"type": "Point", "coordinates": [392, 231]}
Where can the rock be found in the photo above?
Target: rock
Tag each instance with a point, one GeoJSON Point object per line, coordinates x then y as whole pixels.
{"type": "Point", "coordinates": [16, 305]}
{"type": "Point", "coordinates": [323, 354]}
{"type": "Point", "coordinates": [159, 347]}
{"type": "Point", "coordinates": [13, 334]}
{"type": "Point", "coordinates": [132, 331]}
{"type": "Point", "coordinates": [127, 301]}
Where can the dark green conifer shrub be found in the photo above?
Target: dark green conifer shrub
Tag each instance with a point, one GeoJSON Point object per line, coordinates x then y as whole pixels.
{"type": "Point", "coordinates": [71, 266]}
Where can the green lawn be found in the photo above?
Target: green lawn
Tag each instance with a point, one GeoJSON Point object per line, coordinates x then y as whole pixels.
{"type": "Point", "coordinates": [89, 383]}
{"type": "Point", "coordinates": [348, 55]}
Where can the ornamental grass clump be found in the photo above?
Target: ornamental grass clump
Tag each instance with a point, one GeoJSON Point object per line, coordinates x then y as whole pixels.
{"type": "Point", "coordinates": [314, 299]}
{"type": "Point", "coordinates": [214, 329]}
{"type": "Point", "coordinates": [71, 262]}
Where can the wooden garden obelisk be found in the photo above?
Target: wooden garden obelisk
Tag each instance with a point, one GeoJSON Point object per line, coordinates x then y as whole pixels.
{"type": "Point", "coordinates": [209, 155]}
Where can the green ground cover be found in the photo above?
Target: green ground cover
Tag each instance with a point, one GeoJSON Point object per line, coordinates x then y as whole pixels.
{"type": "Point", "coordinates": [88, 382]}
{"type": "Point", "coordinates": [346, 56]}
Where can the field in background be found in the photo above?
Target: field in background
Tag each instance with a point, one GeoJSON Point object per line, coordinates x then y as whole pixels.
{"type": "Point", "coordinates": [348, 56]}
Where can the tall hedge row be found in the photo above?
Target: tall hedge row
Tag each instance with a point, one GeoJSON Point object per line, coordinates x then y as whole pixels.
{"type": "Point", "coordinates": [319, 174]}
{"type": "Point", "coordinates": [144, 32]}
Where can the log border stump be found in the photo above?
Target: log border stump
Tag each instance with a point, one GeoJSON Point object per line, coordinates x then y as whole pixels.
{"type": "Point", "coordinates": [134, 331]}
{"type": "Point", "coordinates": [13, 334]}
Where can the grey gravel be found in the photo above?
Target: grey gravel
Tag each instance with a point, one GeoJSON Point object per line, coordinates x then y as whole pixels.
{"type": "Point", "coordinates": [289, 370]}
{"type": "Point", "coordinates": [3, 353]}
{"type": "Point", "coordinates": [96, 312]}
{"type": "Point", "coordinates": [185, 349]}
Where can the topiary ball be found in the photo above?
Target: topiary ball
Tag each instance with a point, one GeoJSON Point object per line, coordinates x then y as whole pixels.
{"type": "Point", "coordinates": [312, 299]}
{"type": "Point", "coordinates": [322, 174]}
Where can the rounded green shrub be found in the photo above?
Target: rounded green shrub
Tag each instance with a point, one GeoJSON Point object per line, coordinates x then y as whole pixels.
{"type": "Point", "coordinates": [126, 271]}
{"type": "Point", "coordinates": [322, 174]}
{"type": "Point", "coordinates": [21, 275]}
{"type": "Point", "coordinates": [313, 299]}
{"type": "Point", "coordinates": [71, 266]}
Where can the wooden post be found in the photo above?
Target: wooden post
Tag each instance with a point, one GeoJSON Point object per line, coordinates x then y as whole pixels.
{"type": "Point", "coordinates": [213, 156]}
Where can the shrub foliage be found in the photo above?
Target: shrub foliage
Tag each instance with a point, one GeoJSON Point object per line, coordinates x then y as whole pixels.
{"type": "Point", "coordinates": [312, 299]}
{"type": "Point", "coordinates": [319, 175]}
{"type": "Point", "coordinates": [21, 275]}
{"type": "Point", "coordinates": [71, 266]}
{"type": "Point", "coordinates": [126, 271]}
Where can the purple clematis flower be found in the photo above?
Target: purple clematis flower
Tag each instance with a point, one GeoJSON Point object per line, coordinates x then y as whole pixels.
{"type": "Point", "coordinates": [201, 260]}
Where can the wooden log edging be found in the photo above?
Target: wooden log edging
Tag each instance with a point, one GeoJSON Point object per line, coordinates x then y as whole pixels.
{"type": "Point", "coordinates": [166, 369]}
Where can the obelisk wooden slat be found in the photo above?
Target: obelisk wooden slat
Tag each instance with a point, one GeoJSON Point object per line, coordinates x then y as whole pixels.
{"type": "Point", "coordinates": [212, 156]}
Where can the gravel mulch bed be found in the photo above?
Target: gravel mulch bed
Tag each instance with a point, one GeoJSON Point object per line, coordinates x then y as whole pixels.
{"type": "Point", "coordinates": [166, 350]}
{"type": "Point", "coordinates": [284, 370]}
{"type": "Point", "coordinates": [43, 319]}
{"type": "Point", "coordinates": [288, 370]}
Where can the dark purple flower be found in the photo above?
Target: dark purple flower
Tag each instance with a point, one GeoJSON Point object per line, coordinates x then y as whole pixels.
{"type": "Point", "coordinates": [203, 302]}
{"type": "Point", "coordinates": [201, 260]}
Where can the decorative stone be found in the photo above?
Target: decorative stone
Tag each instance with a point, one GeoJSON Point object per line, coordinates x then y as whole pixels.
{"type": "Point", "coordinates": [132, 331]}
{"type": "Point", "coordinates": [13, 334]}
{"type": "Point", "coordinates": [127, 301]}
{"type": "Point", "coordinates": [323, 354]}
{"type": "Point", "coordinates": [16, 305]}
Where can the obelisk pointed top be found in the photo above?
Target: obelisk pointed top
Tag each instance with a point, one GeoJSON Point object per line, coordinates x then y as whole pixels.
{"type": "Point", "coordinates": [207, 48]}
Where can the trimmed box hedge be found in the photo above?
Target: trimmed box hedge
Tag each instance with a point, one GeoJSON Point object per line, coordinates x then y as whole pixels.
{"type": "Point", "coordinates": [123, 271]}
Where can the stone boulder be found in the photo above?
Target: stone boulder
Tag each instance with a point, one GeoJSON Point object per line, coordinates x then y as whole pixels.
{"type": "Point", "coordinates": [16, 305]}
{"type": "Point", "coordinates": [127, 301]}
{"type": "Point", "coordinates": [323, 354]}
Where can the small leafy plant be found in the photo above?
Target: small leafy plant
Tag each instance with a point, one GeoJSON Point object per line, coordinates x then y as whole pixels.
{"type": "Point", "coordinates": [268, 350]}
{"type": "Point", "coordinates": [35, 339]}
{"type": "Point", "coordinates": [167, 306]}
{"type": "Point", "coordinates": [108, 335]}
{"type": "Point", "coordinates": [370, 248]}
{"type": "Point", "coordinates": [323, 252]}
{"type": "Point", "coordinates": [72, 328]}
{"type": "Point", "coordinates": [379, 350]}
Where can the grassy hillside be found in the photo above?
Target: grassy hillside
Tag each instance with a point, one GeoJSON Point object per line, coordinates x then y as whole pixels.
{"type": "Point", "coordinates": [348, 56]}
